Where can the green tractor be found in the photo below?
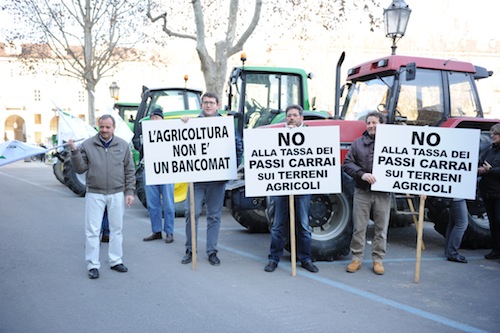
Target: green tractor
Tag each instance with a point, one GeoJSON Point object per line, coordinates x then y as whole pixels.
{"type": "Point", "coordinates": [175, 103]}
{"type": "Point", "coordinates": [258, 96]}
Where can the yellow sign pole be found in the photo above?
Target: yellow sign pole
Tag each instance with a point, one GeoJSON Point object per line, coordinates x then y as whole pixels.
{"type": "Point", "coordinates": [291, 203]}
{"type": "Point", "coordinates": [420, 231]}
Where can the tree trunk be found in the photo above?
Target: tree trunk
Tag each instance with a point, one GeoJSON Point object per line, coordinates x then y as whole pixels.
{"type": "Point", "coordinates": [91, 104]}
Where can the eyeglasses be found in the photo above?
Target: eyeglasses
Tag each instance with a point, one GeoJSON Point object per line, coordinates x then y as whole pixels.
{"type": "Point", "coordinates": [209, 103]}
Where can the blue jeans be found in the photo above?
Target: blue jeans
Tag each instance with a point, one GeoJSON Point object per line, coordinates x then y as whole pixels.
{"type": "Point", "coordinates": [281, 219]}
{"type": "Point", "coordinates": [457, 224]}
{"type": "Point", "coordinates": [212, 194]}
{"type": "Point", "coordinates": [160, 202]}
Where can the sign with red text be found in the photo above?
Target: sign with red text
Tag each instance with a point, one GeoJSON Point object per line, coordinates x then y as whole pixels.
{"type": "Point", "coordinates": [434, 161]}
{"type": "Point", "coordinates": [283, 161]}
{"type": "Point", "coordinates": [203, 149]}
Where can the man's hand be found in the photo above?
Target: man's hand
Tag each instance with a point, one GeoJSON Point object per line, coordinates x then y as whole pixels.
{"type": "Point", "coordinates": [185, 119]}
{"type": "Point", "coordinates": [129, 200]}
{"type": "Point", "coordinates": [369, 178]}
{"type": "Point", "coordinates": [485, 168]}
{"type": "Point", "coordinates": [71, 144]}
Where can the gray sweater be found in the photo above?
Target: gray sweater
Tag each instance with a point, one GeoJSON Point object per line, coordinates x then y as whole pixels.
{"type": "Point", "coordinates": [109, 170]}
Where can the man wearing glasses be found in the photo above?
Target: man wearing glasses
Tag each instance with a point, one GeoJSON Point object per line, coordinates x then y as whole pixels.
{"type": "Point", "coordinates": [211, 193]}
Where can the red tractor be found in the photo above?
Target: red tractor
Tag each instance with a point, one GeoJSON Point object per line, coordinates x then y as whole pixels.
{"type": "Point", "coordinates": [410, 91]}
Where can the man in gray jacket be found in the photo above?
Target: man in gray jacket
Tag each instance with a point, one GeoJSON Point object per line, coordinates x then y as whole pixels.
{"type": "Point", "coordinates": [110, 183]}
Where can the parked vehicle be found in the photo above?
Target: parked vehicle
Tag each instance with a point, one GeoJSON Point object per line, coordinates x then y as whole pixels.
{"type": "Point", "coordinates": [410, 90]}
{"type": "Point", "coordinates": [175, 103]}
{"type": "Point", "coordinates": [258, 96]}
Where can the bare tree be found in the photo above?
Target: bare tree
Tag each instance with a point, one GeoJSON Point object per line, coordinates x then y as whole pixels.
{"type": "Point", "coordinates": [87, 37]}
{"type": "Point", "coordinates": [292, 19]}
{"type": "Point", "coordinates": [214, 68]}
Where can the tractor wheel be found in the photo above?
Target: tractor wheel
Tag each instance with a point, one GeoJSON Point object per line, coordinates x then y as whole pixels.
{"type": "Point", "coordinates": [330, 219]}
{"type": "Point", "coordinates": [58, 168]}
{"type": "Point", "coordinates": [58, 165]}
{"type": "Point", "coordinates": [477, 235]}
{"type": "Point", "coordinates": [75, 182]}
{"type": "Point", "coordinates": [253, 219]}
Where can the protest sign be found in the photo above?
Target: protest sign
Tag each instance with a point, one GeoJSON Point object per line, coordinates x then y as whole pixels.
{"type": "Point", "coordinates": [433, 161]}
{"type": "Point", "coordinates": [282, 161]}
{"type": "Point", "coordinates": [203, 149]}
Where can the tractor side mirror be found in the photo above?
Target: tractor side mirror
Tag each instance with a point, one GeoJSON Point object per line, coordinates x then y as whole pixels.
{"type": "Point", "coordinates": [411, 71]}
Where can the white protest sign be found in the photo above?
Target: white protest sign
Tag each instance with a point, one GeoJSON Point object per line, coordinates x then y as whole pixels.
{"type": "Point", "coordinates": [203, 149]}
{"type": "Point", "coordinates": [434, 161]}
{"type": "Point", "coordinates": [283, 161]}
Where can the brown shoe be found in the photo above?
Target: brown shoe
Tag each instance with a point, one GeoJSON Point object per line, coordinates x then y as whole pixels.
{"type": "Point", "coordinates": [354, 266]}
{"type": "Point", "coordinates": [169, 238]}
{"type": "Point", "coordinates": [153, 236]}
{"type": "Point", "coordinates": [378, 268]}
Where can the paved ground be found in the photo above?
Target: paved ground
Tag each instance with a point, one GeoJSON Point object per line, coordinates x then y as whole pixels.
{"type": "Point", "coordinates": [44, 285]}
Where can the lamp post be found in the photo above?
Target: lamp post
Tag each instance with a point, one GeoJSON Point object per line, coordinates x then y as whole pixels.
{"type": "Point", "coordinates": [396, 19]}
{"type": "Point", "coordinates": [114, 91]}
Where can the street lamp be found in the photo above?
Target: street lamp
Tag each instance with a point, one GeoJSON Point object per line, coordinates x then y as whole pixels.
{"type": "Point", "coordinates": [114, 91]}
{"type": "Point", "coordinates": [396, 19]}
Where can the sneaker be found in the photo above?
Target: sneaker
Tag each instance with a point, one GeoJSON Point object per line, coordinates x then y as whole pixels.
{"type": "Point", "coordinates": [188, 257]}
{"type": "Point", "coordinates": [214, 261]}
{"type": "Point", "coordinates": [169, 238]}
{"type": "Point", "coordinates": [378, 268]}
{"type": "Point", "coordinates": [354, 266]}
{"type": "Point", "coordinates": [271, 266]}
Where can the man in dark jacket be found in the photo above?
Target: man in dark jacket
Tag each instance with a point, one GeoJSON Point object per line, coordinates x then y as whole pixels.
{"type": "Point", "coordinates": [110, 184]}
{"type": "Point", "coordinates": [210, 193]}
{"type": "Point", "coordinates": [489, 186]}
{"type": "Point", "coordinates": [358, 164]}
{"type": "Point", "coordinates": [294, 119]}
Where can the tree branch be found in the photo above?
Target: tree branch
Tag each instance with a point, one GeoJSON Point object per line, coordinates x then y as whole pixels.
{"type": "Point", "coordinates": [163, 17]}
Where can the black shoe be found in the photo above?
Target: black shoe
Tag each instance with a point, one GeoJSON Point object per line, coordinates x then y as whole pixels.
{"type": "Point", "coordinates": [153, 236]}
{"type": "Point", "coordinates": [271, 266]}
{"type": "Point", "coordinates": [492, 255]}
{"type": "Point", "coordinates": [458, 258]}
{"type": "Point", "coordinates": [169, 238]}
{"type": "Point", "coordinates": [310, 267]}
{"type": "Point", "coordinates": [120, 268]}
{"type": "Point", "coordinates": [105, 238]}
{"type": "Point", "coordinates": [214, 261]}
{"type": "Point", "coordinates": [93, 273]}
{"type": "Point", "coordinates": [188, 257]}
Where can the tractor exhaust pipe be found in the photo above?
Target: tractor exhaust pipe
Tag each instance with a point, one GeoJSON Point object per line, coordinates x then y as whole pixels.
{"type": "Point", "coordinates": [337, 86]}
